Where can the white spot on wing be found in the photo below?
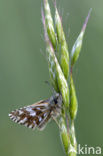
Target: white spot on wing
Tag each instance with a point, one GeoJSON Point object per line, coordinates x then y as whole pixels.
{"type": "Point", "coordinates": [45, 114]}
{"type": "Point", "coordinates": [17, 118]}
{"type": "Point", "coordinates": [38, 108]}
{"type": "Point", "coordinates": [22, 121]}
{"type": "Point", "coordinates": [20, 112]}
{"type": "Point", "coordinates": [40, 119]}
{"type": "Point", "coordinates": [32, 113]}
{"type": "Point", "coordinates": [30, 126]}
{"type": "Point", "coordinates": [28, 109]}
{"type": "Point", "coordinates": [26, 124]}
{"type": "Point", "coordinates": [10, 115]}
{"type": "Point", "coordinates": [34, 122]}
{"type": "Point", "coordinates": [14, 118]}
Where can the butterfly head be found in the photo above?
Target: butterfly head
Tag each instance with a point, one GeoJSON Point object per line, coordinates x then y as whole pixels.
{"type": "Point", "coordinates": [56, 100]}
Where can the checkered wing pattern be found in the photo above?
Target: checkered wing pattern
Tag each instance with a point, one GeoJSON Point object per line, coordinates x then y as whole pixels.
{"type": "Point", "coordinates": [36, 115]}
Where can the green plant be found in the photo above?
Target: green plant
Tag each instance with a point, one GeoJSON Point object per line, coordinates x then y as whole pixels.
{"type": "Point", "coordinates": [61, 62]}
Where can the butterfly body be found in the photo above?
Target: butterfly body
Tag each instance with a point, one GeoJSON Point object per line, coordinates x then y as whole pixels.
{"type": "Point", "coordinates": [38, 114]}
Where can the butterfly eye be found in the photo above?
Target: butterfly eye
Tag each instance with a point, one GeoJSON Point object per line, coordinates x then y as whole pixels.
{"type": "Point", "coordinates": [55, 101]}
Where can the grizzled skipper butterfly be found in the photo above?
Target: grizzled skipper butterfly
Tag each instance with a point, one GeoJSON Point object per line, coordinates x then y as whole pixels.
{"type": "Point", "coordinates": [38, 114]}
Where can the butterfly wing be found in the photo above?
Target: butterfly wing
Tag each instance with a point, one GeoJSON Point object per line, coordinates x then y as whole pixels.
{"type": "Point", "coordinates": [32, 116]}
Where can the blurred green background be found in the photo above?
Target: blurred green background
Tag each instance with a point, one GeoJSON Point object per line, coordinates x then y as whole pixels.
{"type": "Point", "coordinates": [23, 70]}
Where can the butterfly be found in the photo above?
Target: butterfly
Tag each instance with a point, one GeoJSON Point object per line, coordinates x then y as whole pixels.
{"type": "Point", "coordinates": [38, 114]}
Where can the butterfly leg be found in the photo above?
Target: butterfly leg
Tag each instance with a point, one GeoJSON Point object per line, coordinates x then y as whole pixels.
{"type": "Point", "coordinates": [56, 121]}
